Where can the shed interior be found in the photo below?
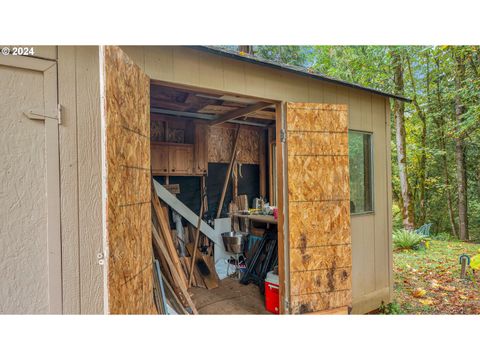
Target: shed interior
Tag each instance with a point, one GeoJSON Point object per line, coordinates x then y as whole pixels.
{"type": "Point", "coordinates": [213, 159]}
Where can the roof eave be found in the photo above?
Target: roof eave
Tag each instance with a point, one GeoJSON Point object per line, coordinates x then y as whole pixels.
{"type": "Point", "coordinates": [277, 66]}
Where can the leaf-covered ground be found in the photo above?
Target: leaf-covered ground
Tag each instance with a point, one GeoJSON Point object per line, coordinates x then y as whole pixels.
{"type": "Point", "coordinates": [428, 281]}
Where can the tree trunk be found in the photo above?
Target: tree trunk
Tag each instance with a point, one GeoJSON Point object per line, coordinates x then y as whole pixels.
{"type": "Point", "coordinates": [423, 152]}
{"type": "Point", "coordinates": [439, 121]}
{"type": "Point", "coordinates": [399, 113]}
{"type": "Point", "coordinates": [460, 151]}
{"type": "Point", "coordinates": [247, 49]}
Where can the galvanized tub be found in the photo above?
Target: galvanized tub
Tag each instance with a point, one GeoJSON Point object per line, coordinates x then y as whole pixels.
{"type": "Point", "coordinates": [234, 242]}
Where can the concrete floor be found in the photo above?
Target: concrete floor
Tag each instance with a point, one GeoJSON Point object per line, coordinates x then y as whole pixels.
{"type": "Point", "coordinates": [230, 297]}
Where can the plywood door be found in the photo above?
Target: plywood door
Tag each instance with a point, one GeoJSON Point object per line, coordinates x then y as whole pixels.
{"type": "Point", "coordinates": [180, 159]}
{"type": "Point", "coordinates": [159, 158]}
{"type": "Point", "coordinates": [30, 245]}
{"type": "Point", "coordinates": [126, 100]}
{"type": "Point", "coordinates": [320, 264]}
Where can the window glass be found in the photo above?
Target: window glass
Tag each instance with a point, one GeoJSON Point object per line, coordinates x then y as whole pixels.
{"type": "Point", "coordinates": [361, 185]}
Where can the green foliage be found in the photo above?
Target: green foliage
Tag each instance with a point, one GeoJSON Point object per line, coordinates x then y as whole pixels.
{"type": "Point", "coordinates": [475, 262]}
{"type": "Point", "coordinates": [392, 308]}
{"type": "Point", "coordinates": [430, 140]}
{"type": "Point", "coordinates": [407, 240]}
{"type": "Point", "coordinates": [444, 237]}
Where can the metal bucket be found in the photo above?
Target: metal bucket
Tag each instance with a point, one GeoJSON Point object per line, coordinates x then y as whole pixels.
{"type": "Point", "coordinates": [234, 242]}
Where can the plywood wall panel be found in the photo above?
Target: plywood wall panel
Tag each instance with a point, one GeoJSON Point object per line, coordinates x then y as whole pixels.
{"type": "Point", "coordinates": [318, 178]}
{"type": "Point", "coordinates": [127, 122]}
{"type": "Point", "coordinates": [319, 117]}
{"type": "Point", "coordinates": [304, 304]}
{"type": "Point", "coordinates": [319, 214]}
{"type": "Point", "coordinates": [317, 281]}
{"type": "Point", "coordinates": [315, 258]}
{"type": "Point", "coordinates": [221, 139]}
{"type": "Point", "coordinates": [311, 143]}
{"type": "Point", "coordinates": [319, 223]}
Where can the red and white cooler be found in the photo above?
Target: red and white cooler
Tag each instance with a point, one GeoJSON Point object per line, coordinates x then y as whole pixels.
{"type": "Point", "coordinates": [272, 294]}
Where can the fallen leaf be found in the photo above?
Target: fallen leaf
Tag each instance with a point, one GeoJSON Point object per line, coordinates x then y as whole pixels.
{"type": "Point", "coordinates": [419, 292]}
{"type": "Point", "coordinates": [426, 301]}
{"type": "Point", "coordinates": [449, 288]}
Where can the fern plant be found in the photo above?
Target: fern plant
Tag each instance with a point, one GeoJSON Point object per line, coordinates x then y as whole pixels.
{"type": "Point", "coordinates": [405, 239]}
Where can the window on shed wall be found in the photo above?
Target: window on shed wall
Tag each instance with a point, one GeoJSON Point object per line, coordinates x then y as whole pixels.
{"type": "Point", "coordinates": [361, 172]}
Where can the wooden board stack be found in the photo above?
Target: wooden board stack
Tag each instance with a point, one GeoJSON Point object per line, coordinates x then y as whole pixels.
{"type": "Point", "coordinates": [174, 270]}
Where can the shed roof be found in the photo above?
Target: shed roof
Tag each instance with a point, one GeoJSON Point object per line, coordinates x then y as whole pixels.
{"type": "Point", "coordinates": [293, 69]}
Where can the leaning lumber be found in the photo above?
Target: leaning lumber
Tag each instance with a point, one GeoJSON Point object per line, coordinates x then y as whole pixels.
{"type": "Point", "coordinates": [184, 211]}
{"type": "Point", "coordinates": [197, 236]}
{"type": "Point", "coordinates": [167, 236]}
{"type": "Point", "coordinates": [205, 267]}
{"type": "Point", "coordinates": [229, 173]}
{"type": "Point", "coordinates": [173, 270]}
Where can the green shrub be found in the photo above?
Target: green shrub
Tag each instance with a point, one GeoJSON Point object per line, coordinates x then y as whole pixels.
{"type": "Point", "coordinates": [404, 239]}
{"type": "Point", "coordinates": [444, 237]}
{"type": "Point", "coordinates": [392, 308]}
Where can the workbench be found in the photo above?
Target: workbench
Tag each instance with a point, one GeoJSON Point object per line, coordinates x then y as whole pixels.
{"type": "Point", "coordinates": [267, 219]}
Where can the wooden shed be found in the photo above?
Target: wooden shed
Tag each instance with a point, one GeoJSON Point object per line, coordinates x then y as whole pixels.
{"type": "Point", "coordinates": [107, 119]}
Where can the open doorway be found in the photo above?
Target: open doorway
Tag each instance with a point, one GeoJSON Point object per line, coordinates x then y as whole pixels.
{"type": "Point", "coordinates": [213, 161]}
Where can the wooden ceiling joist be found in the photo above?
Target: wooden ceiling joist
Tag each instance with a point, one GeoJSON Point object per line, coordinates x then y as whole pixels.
{"type": "Point", "coordinates": [232, 115]}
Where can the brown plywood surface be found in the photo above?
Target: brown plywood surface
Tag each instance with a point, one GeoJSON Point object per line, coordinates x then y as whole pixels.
{"type": "Point", "coordinates": [318, 177]}
{"type": "Point", "coordinates": [221, 139]}
{"type": "Point", "coordinates": [130, 276]}
{"type": "Point", "coordinates": [319, 211]}
{"type": "Point", "coordinates": [302, 304]}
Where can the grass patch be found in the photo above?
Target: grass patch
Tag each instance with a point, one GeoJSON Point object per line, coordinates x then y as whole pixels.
{"type": "Point", "coordinates": [437, 271]}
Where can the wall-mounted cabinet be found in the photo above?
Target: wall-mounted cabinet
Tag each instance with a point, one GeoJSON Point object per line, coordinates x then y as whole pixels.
{"type": "Point", "coordinates": [180, 159]}
{"type": "Point", "coordinates": [159, 158]}
{"type": "Point", "coordinates": [177, 159]}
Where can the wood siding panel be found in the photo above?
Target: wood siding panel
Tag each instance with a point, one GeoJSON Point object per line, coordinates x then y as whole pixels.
{"type": "Point", "coordinates": [320, 276]}
{"type": "Point", "coordinates": [380, 202]}
{"type": "Point", "coordinates": [130, 275]}
{"type": "Point", "coordinates": [69, 181]}
{"type": "Point", "coordinates": [89, 178]}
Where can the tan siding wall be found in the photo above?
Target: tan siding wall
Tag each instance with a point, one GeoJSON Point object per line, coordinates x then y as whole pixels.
{"type": "Point", "coordinates": [367, 112]}
{"type": "Point", "coordinates": [81, 178]}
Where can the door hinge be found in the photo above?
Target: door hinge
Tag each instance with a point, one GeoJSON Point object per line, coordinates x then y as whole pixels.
{"type": "Point", "coordinates": [36, 116]}
{"type": "Point", "coordinates": [283, 136]}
